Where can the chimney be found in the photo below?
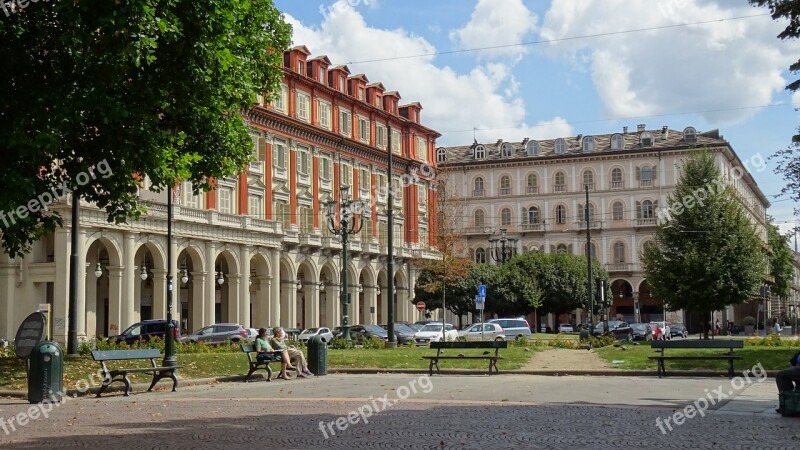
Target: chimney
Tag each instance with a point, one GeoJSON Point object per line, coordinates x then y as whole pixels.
{"type": "Point", "coordinates": [641, 127]}
{"type": "Point", "coordinates": [664, 132]}
{"type": "Point", "coordinates": [624, 130]}
{"type": "Point", "coordinates": [525, 141]}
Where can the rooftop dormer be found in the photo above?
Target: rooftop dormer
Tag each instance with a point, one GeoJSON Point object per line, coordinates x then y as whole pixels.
{"type": "Point", "coordinates": [411, 111]}
{"type": "Point", "coordinates": [318, 69]}
{"type": "Point", "coordinates": [391, 100]}
{"type": "Point", "coordinates": [375, 94]}
{"type": "Point", "coordinates": [294, 59]}
{"type": "Point", "coordinates": [357, 86]}
{"type": "Point", "coordinates": [337, 78]}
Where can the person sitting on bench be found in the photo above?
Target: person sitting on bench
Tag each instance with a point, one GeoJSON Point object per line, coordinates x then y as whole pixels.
{"type": "Point", "coordinates": [267, 353]}
{"type": "Point", "coordinates": [297, 358]}
{"type": "Point", "coordinates": [788, 379]}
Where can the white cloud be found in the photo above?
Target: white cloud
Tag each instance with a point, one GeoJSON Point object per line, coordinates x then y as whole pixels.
{"type": "Point", "coordinates": [711, 68]}
{"type": "Point", "coordinates": [496, 23]}
{"type": "Point", "coordinates": [454, 103]}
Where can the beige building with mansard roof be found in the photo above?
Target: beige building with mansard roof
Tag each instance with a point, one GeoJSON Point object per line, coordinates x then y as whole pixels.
{"type": "Point", "coordinates": [535, 191]}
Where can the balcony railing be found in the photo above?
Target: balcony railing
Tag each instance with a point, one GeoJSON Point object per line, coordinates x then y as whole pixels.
{"type": "Point", "coordinates": [532, 227]}
{"type": "Point", "coordinates": [591, 186]}
{"type": "Point", "coordinates": [477, 193]}
{"type": "Point", "coordinates": [619, 267]}
{"type": "Point", "coordinates": [593, 224]}
{"type": "Point", "coordinates": [649, 222]}
{"type": "Point", "coordinates": [560, 188]}
{"type": "Point", "coordinates": [505, 191]}
{"type": "Point", "coordinates": [478, 230]}
{"type": "Point", "coordinates": [645, 183]}
{"type": "Point", "coordinates": [617, 185]}
{"type": "Point", "coordinates": [532, 190]}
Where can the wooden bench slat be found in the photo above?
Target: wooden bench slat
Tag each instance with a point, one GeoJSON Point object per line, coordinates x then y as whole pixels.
{"type": "Point", "coordinates": [112, 355]}
{"type": "Point", "coordinates": [469, 344]}
{"type": "Point", "coordinates": [725, 344]}
{"type": "Point", "coordinates": [113, 375]}
{"type": "Point", "coordinates": [698, 344]}
{"type": "Point", "coordinates": [462, 357]}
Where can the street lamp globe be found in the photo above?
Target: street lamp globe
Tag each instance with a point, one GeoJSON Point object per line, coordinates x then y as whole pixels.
{"type": "Point", "coordinates": [220, 278]}
{"type": "Point", "coordinates": [184, 276]}
{"type": "Point", "coordinates": [98, 271]}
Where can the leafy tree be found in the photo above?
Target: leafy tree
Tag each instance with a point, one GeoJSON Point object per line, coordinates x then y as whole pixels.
{"type": "Point", "coordinates": [788, 158]}
{"type": "Point", "coordinates": [447, 276]}
{"type": "Point", "coordinates": [154, 87]}
{"type": "Point", "coordinates": [706, 255]}
{"type": "Point", "coordinates": [781, 262]}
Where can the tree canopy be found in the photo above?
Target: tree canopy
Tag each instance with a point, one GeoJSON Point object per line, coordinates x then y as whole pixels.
{"type": "Point", "coordinates": [706, 254]}
{"type": "Point", "coordinates": [781, 262]}
{"type": "Point", "coordinates": [147, 87]}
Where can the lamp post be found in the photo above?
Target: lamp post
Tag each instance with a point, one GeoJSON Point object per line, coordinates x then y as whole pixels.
{"type": "Point", "coordinates": [588, 260]}
{"type": "Point", "coordinates": [169, 340]}
{"type": "Point", "coordinates": [347, 225]}
{"type": "Point", "coordinates": [503, 248]}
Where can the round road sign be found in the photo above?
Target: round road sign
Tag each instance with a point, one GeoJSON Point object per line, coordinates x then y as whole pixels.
{"type": "Point", "coordinates": [420, 306]}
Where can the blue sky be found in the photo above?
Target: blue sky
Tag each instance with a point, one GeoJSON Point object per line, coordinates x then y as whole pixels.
{"type": "Point", "coordinates": [604, 64]}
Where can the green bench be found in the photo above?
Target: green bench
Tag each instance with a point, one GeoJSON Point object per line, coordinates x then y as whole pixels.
{"type": "Point", "coordinates": [114, 375]}
{"type": "Point", "coordinates": [461, 345]}
{"type": "Point", "coordinates": [728, 344]}
{"type": "Point", "coordinates": [254, 363]}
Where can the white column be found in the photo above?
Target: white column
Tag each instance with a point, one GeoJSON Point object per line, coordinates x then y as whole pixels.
{"type": "Point", "coordinates": [80, 321]}
{"type": "Point", "coordinates": [275, 288]}
{"type": "Point", "coordinates": [60, 287]}
{"type": "Point", "coordinates": [333, 304]}
{"type": "Point", "coordinates": [244, 287]}
{"type": "Point", "coordinates": [234, 287]}
{"type": "Point", "coordinates": [198, 303]}
{"type": "Point", "coordinates": [176, 287]}
{"type": "Point", "coordinates": [160, 294]}
{"type": "Point", "coordinates": [91, 300]}
{"type": "Point", "coordinates": [262, 285]}
{"type": "Point", "coordinates": [312, 306]}
{"type": "Point", "coordinates": [129, 279]}
{"type": "Point", "coordinates": [209, 299]}
{"type": "Point", "coordinates": [115, 294]}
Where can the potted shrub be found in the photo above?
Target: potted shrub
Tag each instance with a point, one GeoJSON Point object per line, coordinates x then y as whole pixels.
{"type": "Point", "coordinates": [749, 323]}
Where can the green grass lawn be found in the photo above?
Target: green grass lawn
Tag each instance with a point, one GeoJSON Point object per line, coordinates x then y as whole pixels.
{"type": "Point", "coordinates": [635, 357]}
{"type": "Point", "coordinates": [203, 365]}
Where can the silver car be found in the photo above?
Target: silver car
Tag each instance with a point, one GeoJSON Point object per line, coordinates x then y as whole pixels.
{"type": "Point", "coordinates": [324, 332]}
{"type": "Point", "coordinates": [483, 332]}
{"type": "Point", "coordinates": [514, 328]}
{"type": "Point", "coordinates": [218, 334]}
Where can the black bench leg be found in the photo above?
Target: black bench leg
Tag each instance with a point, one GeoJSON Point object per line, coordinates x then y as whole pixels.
{"type": "Point", "coordinates": [128, 388]}
{"type": "Point", "coordinates": [662, 371]}
{"type": "Point", "coordinates": [434, 362]}
{"type": "Point", "coordinates": [164, 374]}
{"type": "Point", "coordinates": [253, 368]}
{"type": "Point", "coordinates": [106, 382]}
{"type": "Point", "coordinates": [269, 372]}
{"type": "Point", "coordinates": [730, 368]}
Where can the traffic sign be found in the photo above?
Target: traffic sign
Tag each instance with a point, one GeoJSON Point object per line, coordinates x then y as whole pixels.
{"type": "Point", "coordinates": [479, 299]}
{"type": "Point", "coordinates": [420, 306]}
{"type": "Point", "coordinates": [482, 291]}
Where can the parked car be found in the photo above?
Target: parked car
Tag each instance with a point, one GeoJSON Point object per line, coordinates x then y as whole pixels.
{"type": "Point", "coordinates": [218, 334]}
{"type": "Point", "coordinates": [619, 329]}
{"type": "Point", "coordinates": [514, 327]}
{"type": "Point", "coordinates": [642, 332]}
{"type": "Point", "coordinates": [415, 326]}
{"type": "Point", "coordinates": [337, 332]}
{"type": "Point", "coordinates": [566, 328]}
{"type": "Point", "coordinates": [433, 332]}
{"type": "Point", "coordinates": [483, 331]}
{"type": "Point", "coordinates": [402, 332]}
{"type": "Point", "coordinates": [678, 329]}
{"type": "Point", "coordinates": [358, 333]}
{"type": "Point", "coordinates": [662, 326]}
{"type": "Point", "coordinates": [292, 333]}
{"type": "Point", "coordinates": [146, 330]}
{"type": "Point", "coordinates": [252, 334]}
{"type": "Point", "coordinates": [323, 332]}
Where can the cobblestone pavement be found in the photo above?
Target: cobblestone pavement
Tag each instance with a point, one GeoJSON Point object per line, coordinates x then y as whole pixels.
{"type": "Point", "coordinates": [469, 412]}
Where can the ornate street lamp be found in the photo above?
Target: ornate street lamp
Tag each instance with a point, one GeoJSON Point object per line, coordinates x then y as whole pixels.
{"type": "Point", "coordinates": [347, 225]}
{"type": "Point", "coordinates": [503, 248]}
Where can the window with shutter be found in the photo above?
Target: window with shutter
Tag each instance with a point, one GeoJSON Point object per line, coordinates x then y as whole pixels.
{"type": "Point", "coordinates": [303, 106]}
{"type": "Point", "coordinates": [396, 144]}
{"type": "Point", "coordinates": [324, 112]}
{"type": "Point", "coordinates": [345, 123]}
{"type": "Point", "coordinates": [255, 205]}
{"type": "Point", "coordinates": [325, 164]}
{"type": "Point", "coordinates": [279, 151]}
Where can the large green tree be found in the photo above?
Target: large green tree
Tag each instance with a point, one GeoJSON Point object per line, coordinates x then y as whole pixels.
{"type": "Point", "coordinates": [781, 262]}
{"type": "Point", "coordinates": [706, 254]}
{"type": "Point", "coordinates": [153, 87]}
{"type": "Point", "coordinates": [788, 159]}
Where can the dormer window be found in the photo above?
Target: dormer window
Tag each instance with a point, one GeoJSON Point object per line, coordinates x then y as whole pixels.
{"type": "Point", "coordinates": [589, 144]}
{"type": "Point", "coordinates": [646, 139]}
{"type": "Point", "coordinates": [322, 74]}
{"type": "Point", "coordinates": [560, 146]}
{"type": "Point", "coordinates": [532, 148]}
{"type": "Point", "coordinates": [441, 155]}
{"type": "Point", "coordinates": [361, 93]}
{"type": "Point", "coordinates": [341, 85]}
{"type": "Point", "coordinates": [617, 142]}
{"type": "Point", "coordinates": [507, 150]}
{"type": "Point", "coordinates": [480, 152]}
{"type": "Point", "coordinates": [378, 101]}
{"type": "Point", "coordinates": [690, 134]}
{"type": "Point", "coordinates": [301, 67]}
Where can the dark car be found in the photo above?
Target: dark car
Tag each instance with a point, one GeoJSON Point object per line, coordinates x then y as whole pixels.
{"type": "Point", "coordinates": [617, 328]}
{"type": "Point", "coordinates": [678, 329]}
{"type": "Point", "coordinates": [642, 332]}
{"type": "Point", "coordinates": [402, 332]}
{"type": "Point", "coordinates": [359, 333]}
{"type": "Point", "coordinates": [146, 330]}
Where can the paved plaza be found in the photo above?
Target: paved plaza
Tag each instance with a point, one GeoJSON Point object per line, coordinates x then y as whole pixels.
{"type": "Point", "coordinates": [469, 412]}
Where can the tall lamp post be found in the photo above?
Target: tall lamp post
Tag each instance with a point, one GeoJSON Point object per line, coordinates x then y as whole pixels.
{"type": "Point", "coordinates": [503, 248]}
{"type": "Point", "coordinates": [589, 260]}
{"type": "Point", "coordinates": [169, 339]}
{"type": "Point", "coordinates": [347, 225]}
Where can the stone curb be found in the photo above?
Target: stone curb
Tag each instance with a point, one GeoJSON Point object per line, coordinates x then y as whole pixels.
{"type": "Point", "coordinates": [139, 388]}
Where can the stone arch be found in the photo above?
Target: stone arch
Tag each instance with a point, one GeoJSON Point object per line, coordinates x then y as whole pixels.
{"type": "Point", "coordinates": [329, 307]}
{"type": "Point", "coordinates": [226, 301]}
{"type": "Point", "coordinates": [259, 285]}
{"type": "Point", "coordinates": [103, 292]}
{"type": "Point", "coordinates": [366, 295]}
{"type": "Point", "coordinates": [288, 292]}
{"type": "Point", "coordinates": [189, 295]}
{"type": "Point", "coordinates": [622, 301]}
{"type": "Point", "coordinates": [306, 298]}
{"type": "Point", "coordinates": [150, 286]}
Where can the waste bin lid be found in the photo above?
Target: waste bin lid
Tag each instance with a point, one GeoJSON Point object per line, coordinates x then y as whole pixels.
{"type": "Point", "coordinates": [29, 334]}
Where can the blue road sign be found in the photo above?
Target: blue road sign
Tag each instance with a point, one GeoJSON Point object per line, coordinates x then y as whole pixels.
{"type": "Point", "coordinates": [482, 291]}
{"type": "Point", "coordinates": [479, 299]}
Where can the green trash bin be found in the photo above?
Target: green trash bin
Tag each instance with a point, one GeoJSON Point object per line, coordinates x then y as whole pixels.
{"type": "Point", "coordinates": [46, 372]}
{"type": "Point", "coordinates": [318, 355]}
